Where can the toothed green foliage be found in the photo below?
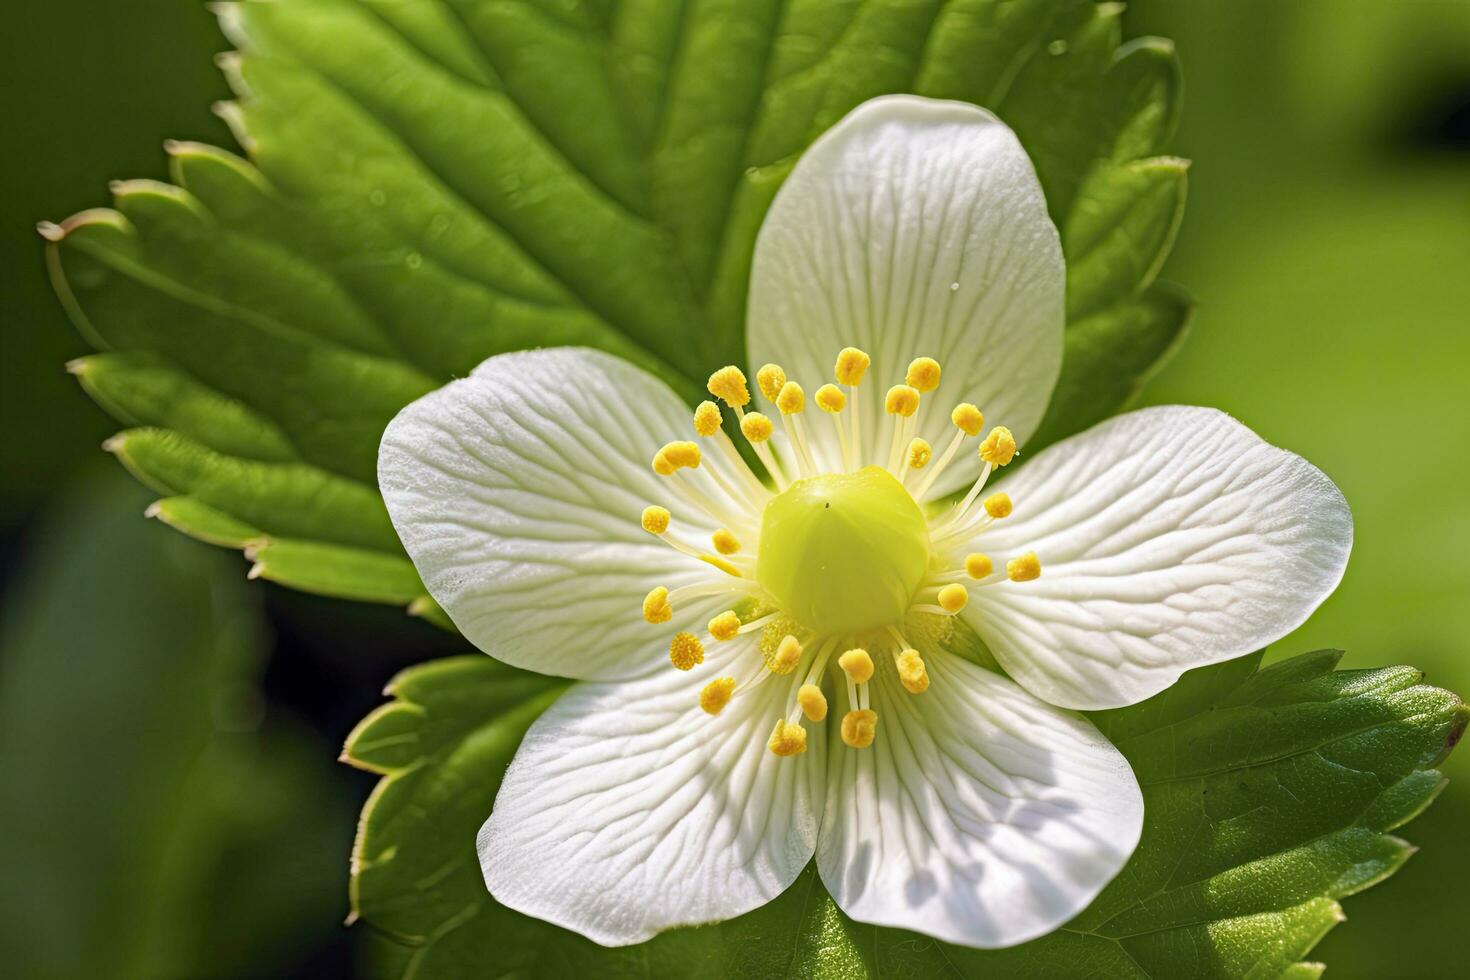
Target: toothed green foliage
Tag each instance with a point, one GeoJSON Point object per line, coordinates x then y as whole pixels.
{"type": "Point", "coordinates": [432, 183]}
{"type": "Point", "coordinates": [1270, 794]}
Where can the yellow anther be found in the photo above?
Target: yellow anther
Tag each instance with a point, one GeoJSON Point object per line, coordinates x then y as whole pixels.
{"type": "Point", "coordinates": [968, 419]}
{"type": "Point", "coordinates": [661, 464]}
{"type": "Point", "coordinates": [978, 565]}
{"type": "Point", "coordinates": [999, 447]}
{"type": "Point", "coordinates": [1025, 568]}
{"type": "Point", "coordinates": [769, 379]}
{"type": "Point", "coordinates": [685, 651]}
{"type": "Point", "coordinates": [725, 542]}
{"type": "Point", "coordinates": [788, 739]}
{"type": "Point", "coordinates": [707, 418]}
{"type": "Point", "coordinates": [857, 665]}
{"type": "Point", "coordinates": [952, 598]}
{"type": "Point", "coordinates": [656, 608]}
{"type": "Point", "coordinates": [792, 398]}
{"type": "Point", "coordinates": [757, 427]}
{"type": "Point", "coordinates": [679, 455]}
{"type": "Point", "coordinates": [728, 385]}
{"type": "Point", "coordinates": [831, 399]}
{"type": "Point", "coordinates": [788, 655]}
{"type": "Point", "coordinates": [716, 695]}
{"type": "Point", "coordinates": [998, 505]}
{"type": "Point", "coordinates": [923, 374]}
{"type": "Point", "coordinates": [920, 452]}
{"type": "Point", "coordinates": [725, 625]}
{"type": "Point", "coordinates": [852, 364]}
{"type": "Point", "coordinates": [911, 672]}
{"type": "Point", "coordinates": [722, 565]}
{"type": "Point", "coordinates": [859, 728]}
{"type": "Point", "coordinates": [813, 702]}
{"type": "Point", "coordinates": [901, 400]}
{"type": "Point", "coordinates": [656, 519]}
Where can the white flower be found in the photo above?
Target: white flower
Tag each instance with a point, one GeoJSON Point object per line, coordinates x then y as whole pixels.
{"type": "Point", "coordinates": [815, 708]}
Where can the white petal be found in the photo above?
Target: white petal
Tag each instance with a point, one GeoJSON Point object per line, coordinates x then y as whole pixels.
{"type": "Point", "coordinates": [979, 815]}
{"type": "Point", "coordinates": [518, 493]}
{"type": "Point", "coordinates": [628, 810]}
{"type": "Point", "coordinates": [1169, 538]}
{"type": "Point", "coordinates": [914, 227]}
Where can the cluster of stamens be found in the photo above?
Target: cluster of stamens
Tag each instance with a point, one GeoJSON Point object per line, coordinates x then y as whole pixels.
{"type": "Point", "coordinates": [725, 490]}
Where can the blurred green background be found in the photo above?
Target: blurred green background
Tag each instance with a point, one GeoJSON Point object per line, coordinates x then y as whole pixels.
{"type": "Point", "coordinates": [172, 730]}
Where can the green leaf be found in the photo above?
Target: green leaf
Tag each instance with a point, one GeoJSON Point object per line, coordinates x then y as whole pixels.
{"type": "Point", "coordinates": [433, 183]}
{"type": "Point", "coordinates": [329, 569]}
{"type": "Point", "coordinates": [199, 520]}
{"type": "Point", "coordinates": [1270, 794]}
{"type": "Point", "coordinates": [1124, 345]}
{"type": "Point", "coordinates": [141, 785]}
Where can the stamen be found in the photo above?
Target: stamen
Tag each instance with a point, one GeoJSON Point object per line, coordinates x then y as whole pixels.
{"type": "Point", "coordinates": [714, 505]}
{"type": "Point", "coordinates": [957, 516]}
{"type": "Point", "coordinates": [818, 667]}
{"type": "Point", "coordinates": [728, 385]}
{"type": "Point", "coordinates": [791, 401]}
{"type": "Point", "coordinates": [685, 651]}
{"type": "Point", "coordinates": [725, 542]}
{"type": "Point", "coordinates": [769, 379]}
{"type": "Point", "coordinates": [656, 519]}
{"type": "Point", "coordinates": [968, 421]}
{"type": "Point", "coordinates": [857, 665]}
{"type": "Point", "coordinates": [852, 692]}
{"type": "Point", "coordinates": [701, 589]}
{"type": "Point", "coordinates": [813, 702]}
{"type": "Point", "coordinates": [788, 655]}
{"type": "Point", "coordinates": [788, 739]}
{"type": "Point", "coordinates": [831, 400]}
{"type": "Point", "coordinates": [953, 598]}
{"type": "Point", "coordinates": [656, 606]}
{"type": "Point", "coordinates": [852, 364]}
{"type": "Point", "coordinates": [999, 447]}
{"type": "Point", "coordinates": [679, 455]}
{"type": "Point", "coordinates": [707, 419]}
{"type": "Point", "coordinates": [967, 418]}
{"type": "Point", "coordinates": [911, 671]}
{"type": "Point", "coordinates": [738, 495]}
{"type": "Point", "coordinates": [919, 453]}
{"type": "Point", "coordinates": [716, 695]}
{"type": "Point", "coordinates": [756, 492]}
{"type": "Point", "coordinates": [978, 565]}
{"type": "Point", "coordinates": [725, 625]}
{"type": "Point", "coordinates": [998, 505]}
{"type": "Point", "coordinates": [756, 624]}
{"type": "Point", "coordinates": [859, 728]}
{"type": "Point", "coordinates": [717, 562]}
{"type": "Point", "coordinates": [902, 401]}
{"type": "Point", "coordinates": [656, 522]}
{"type": "Point", "coordinates": [1025, 568]}
{"type": "Point", "coordinates": [923, 374]}
{"type": "Point", "coordinates": [758, 429]}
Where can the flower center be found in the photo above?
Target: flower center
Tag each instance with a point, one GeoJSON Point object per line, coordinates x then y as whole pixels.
{"type": "Point", "coordinates": [844, 552]}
